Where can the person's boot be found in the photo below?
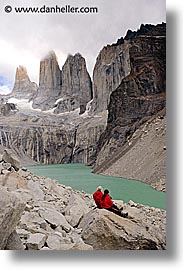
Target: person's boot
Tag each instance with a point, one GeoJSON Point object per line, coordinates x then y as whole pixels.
{"type": "Point", "coordinates": [124, 215]}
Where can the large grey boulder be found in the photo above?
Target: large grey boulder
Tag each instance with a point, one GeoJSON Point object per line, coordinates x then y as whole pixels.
{"type": "Point", "coordinates": [54, 241]}
{"type": "Point", "coordinates": [9, 157]}
{"type": "Point", "coordinates": [54, 218]}
{"type": "Point", "coordinates": [36, 241]}
{"type": "Point", "coordinates": [11, 209]}
{"type": "Point", "coordinates": [14, 242]}
{"type": "Point", "coordinates": [76, 209]}
{"type": "Point", "coordinates": [36, 191]}
{"type": "Point", "coordinates": [13, 181]}
{"type": "Point", "coordinates": [32, 221]}
{"type": "Point", "coordinates": [105, 230]}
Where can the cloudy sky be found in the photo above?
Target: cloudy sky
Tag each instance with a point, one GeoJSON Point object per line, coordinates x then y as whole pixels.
{"type": "Point", "coordinates": [26, 38]}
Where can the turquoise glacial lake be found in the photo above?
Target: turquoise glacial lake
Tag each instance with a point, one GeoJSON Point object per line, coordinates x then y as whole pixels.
{"type": "Point", "coordinates": [80, 177]}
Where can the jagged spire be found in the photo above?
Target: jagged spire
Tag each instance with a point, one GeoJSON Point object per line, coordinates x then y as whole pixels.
{"type": "Point", "coordinates": [50, 55]}
{"type": "Point", "coordinates": [21, 75]}
{"type": "Point", "coordinates": [23, 87]}
{"type": "Point", "coordinates": [50, 73]}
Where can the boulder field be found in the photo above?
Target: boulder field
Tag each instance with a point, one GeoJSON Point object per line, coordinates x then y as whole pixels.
{"type": "Point", "coordinates": [37, 213]}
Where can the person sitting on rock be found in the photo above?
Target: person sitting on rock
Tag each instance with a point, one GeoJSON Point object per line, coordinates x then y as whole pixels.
{"type": "Point", "coordinates": [97, 196]}
{"type": "Point", "coordinates": [108, 204]}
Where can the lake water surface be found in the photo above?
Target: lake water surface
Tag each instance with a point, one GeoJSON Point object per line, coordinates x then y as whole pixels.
{"type": "Point", "coordinates": [80, 177]}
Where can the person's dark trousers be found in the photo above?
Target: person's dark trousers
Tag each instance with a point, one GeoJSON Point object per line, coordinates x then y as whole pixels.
{"type": "Point", "coordinates": [116, 210]}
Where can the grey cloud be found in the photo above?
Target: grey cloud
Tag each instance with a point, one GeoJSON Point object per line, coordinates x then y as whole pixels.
{"type": "Point", "coordinates": [71, 33]}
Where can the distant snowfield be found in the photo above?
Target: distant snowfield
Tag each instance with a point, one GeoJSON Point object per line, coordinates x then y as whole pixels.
{"type": "Point", "coordinates": [25, 106]}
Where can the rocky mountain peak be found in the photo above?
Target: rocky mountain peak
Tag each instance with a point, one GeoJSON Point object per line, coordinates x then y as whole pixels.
{"type": "Point", "coordinates": [145, 29]}
{"type": "Point", "coordinates": [50, 55]}
{"type": "Point", "coordinates": [50, 73]}
{"type": "Point", "coordinates": [23, 87]}
{"type": "Point", "coordinates": [76, 85]}
{"type": "Point", "coordinates": [50, 81]}
{"type": "Point", "coordinates": [77, 58]}
{"type": "Point", "coordinates": [21, 78]}
{"type": "Point", "coordinates": [21, 74]}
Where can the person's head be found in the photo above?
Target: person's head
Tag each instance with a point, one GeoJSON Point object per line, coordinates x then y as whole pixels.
{"type": "Point", "coordinates": [99, 188]}
{"type": "Point", "coordinates": [106, 191]}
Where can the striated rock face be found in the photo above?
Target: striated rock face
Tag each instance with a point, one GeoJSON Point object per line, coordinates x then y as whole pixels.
{"type": "Point", "coordinates": [23, 87]}
{"type": "Point", "coordinates": [140, 95]}
{"type": "Point", "coordinates": [52, 141]}
{"type": "Point", "coordinates": [50, 81]}
{"type": "Point", "coordinates": [115, 61]}
{"type": "Point", "coordinates": [76, 85]}
{"type": "Point", "coordinates": [112, 65]}
{"type": "Point", "coordinates": [42, 144]}
{"type": "Point", "coordinates": [86, 137]}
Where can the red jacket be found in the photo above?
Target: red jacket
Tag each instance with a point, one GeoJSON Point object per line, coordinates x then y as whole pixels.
{"type": "Point", "coordinates": [107, 202]}
{"type": "Point", "coordinates": [97, 197]}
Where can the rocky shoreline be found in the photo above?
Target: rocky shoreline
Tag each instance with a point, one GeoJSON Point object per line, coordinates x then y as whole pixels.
{"type": "Point", "coordinates": [37, 213]}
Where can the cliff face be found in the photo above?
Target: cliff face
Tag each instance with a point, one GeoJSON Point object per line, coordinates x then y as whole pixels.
{"type": "Point", "coordinates": [114, 62]}
{"type": "Point", "coordinates": [51, 139]}
{"type": "Point", "coordinates": [87, 135]}
{"type": "Point", "coordinates": [112, 65]}
{"type": "Point", "coordinates": [50, 82]}
{"type": "Point", "coordinates": [76, 85]}
{"type": "Point", "coordinates": [140, 95]}
{"type": "Point", "coordinates": [42, 143]}
{"type": "Point", "coordinates": [23, 87]}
